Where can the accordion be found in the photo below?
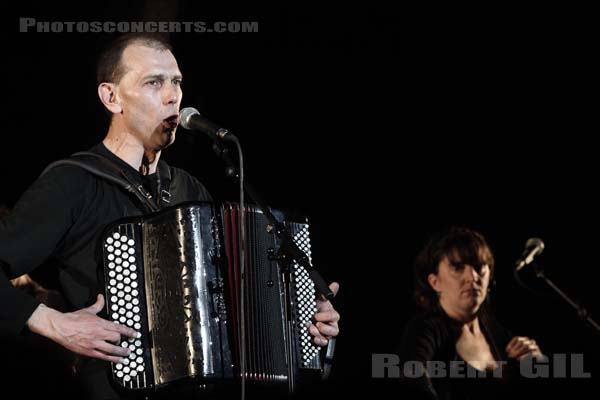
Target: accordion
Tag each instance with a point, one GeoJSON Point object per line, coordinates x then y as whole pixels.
{"type": "Point", "coordinates": [174, 276]}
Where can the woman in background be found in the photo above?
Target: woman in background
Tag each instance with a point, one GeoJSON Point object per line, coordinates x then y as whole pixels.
{"type": "Point", "coordinates": [456, 332]}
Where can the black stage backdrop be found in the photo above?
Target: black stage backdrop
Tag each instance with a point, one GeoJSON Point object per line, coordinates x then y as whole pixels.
{"type": "Point", "coordinates": [381, 126]}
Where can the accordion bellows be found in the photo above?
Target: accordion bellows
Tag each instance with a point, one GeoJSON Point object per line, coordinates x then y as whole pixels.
{"type": "Point", "coordinates": [174, 276]}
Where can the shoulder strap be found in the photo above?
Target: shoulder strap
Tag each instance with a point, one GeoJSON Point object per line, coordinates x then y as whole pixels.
{"type": "Point", "coordinates": [107, 169]}
{"type": "Point", "coordinates": [163, 172]}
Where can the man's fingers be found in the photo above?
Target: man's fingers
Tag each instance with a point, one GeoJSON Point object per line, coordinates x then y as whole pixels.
{"type": "Point", "coordinates": [321, 332]}
{"type": "Point", "coordinates": [97, 306]}
{"type": "Point", "coordinates": [313, 330]}
{"type": "Point", "coordinates": [112, 336]}
{"type": "Point", "coordinates": [327, 316]}
{"type": "Point", "coordinates": [100, 355]}
{"type": "Point", "coordinates": [327, 330]}
{"type": "Point", "coordinates": [317, 337]}
{"type": "Point", "coordinates": [112, 350]}
{"type": "Point", "coordinates": [325, 304]}
{"type": "Point", "coordinates": [334, 287]}
{"type": "Point", "coordinates": [121, 329]}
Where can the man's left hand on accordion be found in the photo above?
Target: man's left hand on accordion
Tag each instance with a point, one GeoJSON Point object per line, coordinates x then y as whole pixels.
{"type": "Point", "coordinates": [325, 325]}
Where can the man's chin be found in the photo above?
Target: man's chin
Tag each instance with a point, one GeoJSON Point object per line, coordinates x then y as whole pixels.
{"type": "Point", "coordinates": [167, 138]}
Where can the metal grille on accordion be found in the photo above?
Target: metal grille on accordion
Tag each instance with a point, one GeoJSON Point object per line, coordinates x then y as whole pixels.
{"type": "Point", "coordinates": [174, 276]}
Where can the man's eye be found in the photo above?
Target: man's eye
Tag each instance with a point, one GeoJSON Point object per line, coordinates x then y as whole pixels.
{"type": "Point", "coordinates": [177, 82]}
{"type": "Point", "coordinates": [154, 83]}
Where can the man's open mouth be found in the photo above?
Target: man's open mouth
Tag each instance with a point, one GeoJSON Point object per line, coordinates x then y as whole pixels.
{"type": "Point", "coordinates": [171, 122]}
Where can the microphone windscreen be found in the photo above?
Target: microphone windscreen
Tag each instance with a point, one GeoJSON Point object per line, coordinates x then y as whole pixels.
{"type": "Point", "coordinates": [185, 115]}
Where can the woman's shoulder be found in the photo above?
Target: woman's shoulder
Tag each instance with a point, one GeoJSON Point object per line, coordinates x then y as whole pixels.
{"type": "Point", "coordinates": [429, 331]}
{"type": "Point", "coordinates": [428, 320]}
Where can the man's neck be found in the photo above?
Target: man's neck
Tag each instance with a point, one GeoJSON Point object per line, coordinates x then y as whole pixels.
{"type": "Point", "coordinates": [128, 149]}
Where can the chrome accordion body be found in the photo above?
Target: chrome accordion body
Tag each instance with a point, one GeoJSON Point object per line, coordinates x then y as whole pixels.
{"type": "Point", "coordinates": [174, 277]}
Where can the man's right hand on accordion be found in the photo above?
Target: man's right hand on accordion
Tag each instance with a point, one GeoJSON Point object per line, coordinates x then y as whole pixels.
{"type": "Point", "coordinates": [83, 331]}
{"type": "Point", "coordinates": [326, 319]}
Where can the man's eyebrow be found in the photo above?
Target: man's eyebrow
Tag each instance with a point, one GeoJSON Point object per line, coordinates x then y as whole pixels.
{"type": "Point", "coordinates": [162, 77]}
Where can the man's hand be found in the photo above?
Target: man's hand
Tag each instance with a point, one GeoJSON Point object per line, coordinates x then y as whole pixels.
{"type": "Point", "coordinates": [326, 319]}
{"type": "Point", "coordinates": [82, 331]}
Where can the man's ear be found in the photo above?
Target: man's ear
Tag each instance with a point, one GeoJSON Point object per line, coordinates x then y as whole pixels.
{"type": "Point", "coordinates": [433, 282]}
{"type": "Point", "coordinates": [108, 96]}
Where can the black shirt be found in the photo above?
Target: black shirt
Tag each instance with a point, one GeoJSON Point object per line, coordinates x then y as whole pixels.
{"type": "Point", "coordinates": [431, 337]}
{"type": "Point", "coordinates": [60, 219]}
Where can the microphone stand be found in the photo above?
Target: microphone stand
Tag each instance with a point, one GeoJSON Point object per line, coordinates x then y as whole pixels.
{"type": "Point", "coordinates": [289, 249]}
{"type": "Point", "coordinates": [582, 313]}
{"type": "Point", "coordinates": [288, 245]}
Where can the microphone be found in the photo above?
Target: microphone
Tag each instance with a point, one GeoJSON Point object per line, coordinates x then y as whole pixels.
{"type": "Point", "coordinates": [191, 119]}
{"type": "Point", "coordinates": [533, 247]}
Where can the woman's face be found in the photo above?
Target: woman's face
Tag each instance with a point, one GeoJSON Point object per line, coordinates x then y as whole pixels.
{"type": "Point", "coordinates": [462, 287]}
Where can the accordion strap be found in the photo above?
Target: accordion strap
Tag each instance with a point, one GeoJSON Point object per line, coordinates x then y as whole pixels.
{"type": "Point", "coordinates": [163, 175]}
{"type": "Point", "coordinates": [106, 169]}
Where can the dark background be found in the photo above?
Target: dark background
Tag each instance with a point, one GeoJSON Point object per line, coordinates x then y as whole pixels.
{"type": "Point", "coordinates": [381, 126]}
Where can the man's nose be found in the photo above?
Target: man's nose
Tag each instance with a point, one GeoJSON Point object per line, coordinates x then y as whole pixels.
{"type": "Point", "coordinates": [172, 94]}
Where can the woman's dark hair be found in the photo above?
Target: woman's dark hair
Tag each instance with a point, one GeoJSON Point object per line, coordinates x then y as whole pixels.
{"type": "Point", "coordinates": [460, 245]}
